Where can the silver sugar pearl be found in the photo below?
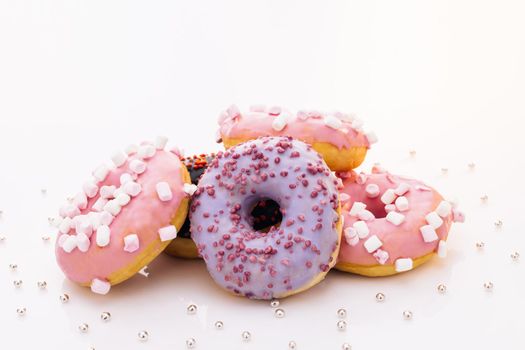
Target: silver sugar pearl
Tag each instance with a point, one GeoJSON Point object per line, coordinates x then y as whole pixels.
{"type": "Point", "coordinates": [498, 223]}
{"type": "Point", "coordinates": [42, 284]}
{"type": "Point", "coordinates": [219, 325]}
{"type": "Point", "coordinates": [43, 191]}
{"type": "Point", "coordinates": [488, 286]}
{"type": "Point", "coordinates": [341, 313]}
{"type": "Point", "coordinates": [64, 298]}
{"type": "Point", "coordinates": [442, 288]}
{"type": "Point", "coordinates": [346, 346]}
{"type": "Point", "coordinates": [21, 311]}
{"type": "Point", "coordinates": [17, 283]}
{"type": "Point", "coordinates": [471, 165]}
{"type": "Point", "coordinates": [45, 238]}
{"type": "Point", "coordinates": [279, 313]}
{"type": "Point", "coordinates": [292, 345]}
{"type": "Point", "coordinates": [407, 315]}
{"type": "Point", "coordinates": [380, 297]}
{"type": "Point", "coordinates": [105, 316]}
{"type": "Point", "coordinates": [143, 335]}
{"type": "Point", "coordinates": [412, 152]}
{"type": "Point", "coordinates": [444, 171]}
{"type": "Point", "coordinates": [191, 343]}
{"type": "Point", "coordinates": [341, 325]}
{"type": "Point", "coordinates": [191, 309]}
{"type": "Point", "coordinates": [480, 245]}
{"type": "Point", "coordinates": [83, 327]}
{"type": "Point", "coordinates": [484, 198]}
{"type": "Point", "coordinates": [2, 238]}
{"type": "Point", "coordinates": [246, 336]}
{"type": "Point", "coordinates": [13, 267]}
{"type": "Point", "coordinates": [515, 256]}
{"type": "Point", "coordinates": [274, 303]}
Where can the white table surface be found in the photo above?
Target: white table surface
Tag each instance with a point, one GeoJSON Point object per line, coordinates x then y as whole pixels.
{"type": "Point", "coordinates": [79, 79]}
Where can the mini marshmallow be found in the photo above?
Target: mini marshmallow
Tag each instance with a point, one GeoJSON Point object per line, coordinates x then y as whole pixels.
{"type": "Point", "coordinates": [356, 208]}
{"type": "Point", "coordinates": [444, 209]}
{"type": "Point", "coordinates": [94, 219]}
{"type": "Point", "coordinates": [302, 115]}
{"type": "Point", "coordinates": [84, 227]}
{"type": "Point", "coordinates": [428, 233]}
{"type": "Point", "coordinates": [146, 151]}
{"type": "Point", "coordinates": [434, 220]}
{"type": "Point", "coordinates": [361, 179]}
{"type": "Point", "coordinates": [357, 123]}
{"type": "Point", "coordinates": [69, 210]}
{"type": "Point", "coordinates": [352, 241]}
{"type": "Point", "coordinates": [123, 199]}
{"type": "Point", "coordinates": [167, 233]}
{"type": "Point", "coordinates": [55, 222]}
{"type": "Point", "coordinates": [395, 218]}
{"type": "Point", "coordinates": [371, 137]}
{"type": "Point", "coordinates": [381, 256]}
{"type": "Point", "coordinates": [404, 264]}
{"type": "Point", "coordinates": [90, 189]}
{"type": "Point", "coordinates": [107, 191]}
{"type": "Point", "coordinates": [344, 197]}
{"type": "Point", "coordinates": [402, 188]}
{"type": "Point", "coordinates": [80, 200]}
{"type": "Point", "coordinates": [350, 232]}
{"type": "Point", "coordinates": [131, 243]}
{"type": "Point", "coordinates": [372, 244]}
{"type": "Point", "coordinates": [189, 189]}
{"type": "Point", "coordinates": [372, 190]}
{"type": "Point", "coordinates": [65, 225]}
{"type": "Point", "coordinates": [164, 191]}
{"type": "Point", "coordinates": [365, 215]}
{"type": "Point", "coordinates": [112, 207]}
{"type": "Point", "coordinates": [362, 229]}
{"type": "Point", "coordinates": [69, 244]}
{"type": "Point", "coordinates": [137, 166]}
{"type": "Point", "coordinates": [160, 142]}
{"type": "Point", "coordinates": [279, 123]}
{"type": "Point", "coordinates": [390, 207]}
{"type": "Point", "coordinates": [179, 152]}
{"type": "Point", "coordinates": [83, 242]}
{"type": "Point", "coordinates": [99, 204]}
{"type": "Point", "coordinates": [131, 149]}
{"type": "Point", "coordinates": [61, 240]}
{"type": "Point", "coordinates": [103, 235]}
{"type": "Point", "coordinates": [442, 249]}
{"type": "Point", "coordinates": [132, 188]}
{"type": "Point", "coordinates": [333, 122]}
{"type": "Point", "coordinates": [458, 216]}
{"type": "Point", "coordinates": [119, 158]}
{"type": "Point", "coordinates": [101, 173]}
{"type": "Point", "coordinates": [388, 197]}
{"type": "Point", "coordinates": [274, 110]}
{"type": "Point", "coordinates": [100, 287]}
{"type": "Point", "coordinates": [105, 218]}
{"type": "Point", "coordinates": [125, 178]}
{"type": "Point", "coordinates": [402, 203]}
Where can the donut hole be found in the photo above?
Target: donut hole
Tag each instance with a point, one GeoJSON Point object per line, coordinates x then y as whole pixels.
{"type": "Point", "coordinates": [376, 207]}
{"type": "Point", "coordinates": [265, 214]}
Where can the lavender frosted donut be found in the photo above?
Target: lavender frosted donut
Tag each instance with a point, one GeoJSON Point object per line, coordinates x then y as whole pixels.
{"type": "Point", "coordinates": [290, 257]}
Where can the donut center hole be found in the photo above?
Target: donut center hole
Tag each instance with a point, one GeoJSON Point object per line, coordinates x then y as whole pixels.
{"type": "Point", "coordinates": [376, 207]}
{"type": "Point", "coordinates": [265, 213]}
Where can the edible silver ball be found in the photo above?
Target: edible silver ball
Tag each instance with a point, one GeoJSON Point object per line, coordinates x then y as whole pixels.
{"type": "Point", "coordinates": [498, 223]}
{"type": "Point", "coordinates": [442, 288]}
{"type": "Point", "coordinates": [219, 325]}
{"type": "Point", "coordinates": [21, 311]}
{"type": "Point", "coordinates": [13, 267]}
{"type": "Point", "coordinates": [143, 335]}
{"type": "Point", "coordinates": [407, 315]}
{"type": "Point", "coordinates": [380, 297]}
{"type": "Point", "coordinates": [17, 283]}
{"type": "Point", "coordinates": [515, 256]}
{"type": "Point", "coordinates": [64, 298]}
{"type": "Point", "coordinates": [279, 313]}
{"type": "Point", "coordinates": [105, 316]}
{"type": "Point", "coordinates": [341, 325]}
{"type": "Point", "coordinates": [191, 309]}
{"type": "Point", "coordinates": [341, 313]}
{"type": "Point", "coordinates": [480, 245]}
{"type": "Point", "coordinates": [292, 345]}
{"type": "Point", "coordinates": [274, 303]}
{"type": "Point", "coordinates": [41, 284]}
{"type": "Point", "coordinates": [83, 327]}
{"type": "Point", "coordinates": [346, 346]}
{"type": "Point", "coordinates": [246, 336]}
{"type": "Point", "coordinates": [488, 286]}
{"type": "Point", "coordinates": [190, 343]}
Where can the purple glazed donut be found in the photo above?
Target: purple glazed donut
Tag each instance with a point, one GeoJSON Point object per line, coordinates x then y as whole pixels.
{"type": "Point", "coordinates": [288, 258]}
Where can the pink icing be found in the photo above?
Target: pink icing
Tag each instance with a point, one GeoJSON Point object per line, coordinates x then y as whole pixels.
{"type": "Point", "coordinates": [403, 241]}
{"type": "Point", "coordinates": [144, 215]}
{"type": "Point", "coordinates": [309, 127]}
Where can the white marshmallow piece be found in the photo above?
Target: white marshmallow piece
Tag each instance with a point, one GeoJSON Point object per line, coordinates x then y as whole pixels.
{"type": "Point", "coordinates": [80, 200]}
{"type": "Point", "coordinates": [357, 123]}
{"type": "Point", "coordinates": [107, 191]}
{"type": "Point", "coordinates": [434, 220]}
{"type": "Point", "coordinates": [371, 137]}
{"type": "Point", "coordinates": [94, 219]}
{"type": "Point", "coordinates": [164, 191]}
{"type": "Point", "coordinates": [69, 210]}
{"type": "Point", "coordinates": [100, 287]}
{"type": "Point", "coordinates": [333, 122]}
{"type": "Point", "coordinates": [381, 256]}
{"type": "Point", "coordinates": [105, 218]}
{"type": "Point", "coordinates": [83, 242]}
{"type": "Point", "coordinates": [372, 244]}
{"type": "Point", "coordinates": [99, 204]}
{"type": "Point", "coordinates": [362, 229]}
{"type": "Point", "coordinates": [146, 151]}
{"type": "Point", "coordinates": [390, 207]}
{"type": "Point", "coordinates": [402, 203]}
{"type": "Point", "coordinates": [167, 233]}
{"type": "Point", "coordinates": [65, 225]}
{"type": "Point", "coordinates": [103, 235]}
{"type": "Point", "coordinates": [119, 158]}
{"type": "Point", "coordinates": [395, 218]}
{"type": "Point", "coordinates": [428, 233]}
{"type": "Point", "coordinates": [365, 215]}
{"type": "Point", "coordinates": [131, 149]}
{"type": "Point", "coordinates": [189, 189]}
{"type": "Point", "coordinates": [131, 243]}
{"type": "Point", "coordinates": [112, 207]}
{"type": "Point", "coordinates": [404, 264]}
{"type": "Point", "coordinates": [444, 209]}
{"type": "Point", "coordinates": [137, 166]}
{"type": "Point", "coordinates": [402, 188]}
{"type": "Point", "coordinates": [344, 197]}
{"type": "Point", "coordinates": [123, 199]}
{"type": "Point", "coordinates": [84, 226]}
{"type": "Point", "coordinates": [101, 172]}
{"type": "Point", "coordinates": [160, 142]}
{"type": "Point", "coordinates": [69, 244]}
{"type": "Point", "coordinates": [125, 178]}
{"type": "Point", "coordinates": [350, 232]}
{"type": "Point", "coordinates": [442, 249]}
{"type": "Point", "coordinates": [372, 190]}
{"type": "Point", "coordinates": [61, 240]}
{"type": "Point", "coordinates": [90, 189]}
{"type": "Point", "coordinates": [388, 197]}
{"type": "Point", "coordinates": [132, 188]}
{"type": "Point", "coordinates": [356, 208]}
{"type": "Point", "coordinates": [278, 123]}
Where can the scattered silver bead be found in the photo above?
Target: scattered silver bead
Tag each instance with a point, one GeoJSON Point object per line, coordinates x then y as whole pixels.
{"type": "Point", "coordinates": [515, 256]}
{"type": "Point", "coordinates": [341, 313]}
{"type": "Point", "coordinates": [43, 191]}
{"type": "Point", "coordinates": [83, 327]}
{"type": "Point", "coordinates": [412, 152]}
{"type": "Point", "coordinates": [292, 345]}
{"type": "Point", "coordinates": [50, 220]}
{"type": "Point", "coordinates": [13, 267]}
{"type": "Point", "coordinates": [346, 346]}
{"type": "Point", "coordinates": [143, 335]}
{"type": "Point", "coordinates": [471, 165]}
{"type": "Point", "coordinates": [42, 284]}
{"type": "Point", "coordinates": [279, 313]}
{"type": "Point", "coordinates": [498, 223]}
{"type": "Point", "coordinates": [190, 343]}
{"type": "Point", "coordinates": [21, 311]}
{"type": "Point", "coordinates": [444, 171]}
{"type": "Point", "coordinates": [64, 298]}
{"type": "Point", "coordinates": [407, 315]}
{"type": "Point", "coordinates": [105, 316]}
{"type": "Point", "coordinates": [17, 283]}
{"type": "Point", "coordinates": [274, 303]}
{"type": "Point", "coordinates": [480, 245]}
{"type": "Point", "coordinates": [380, 297]}
{"type": "Point", "coordinates": [442, 288]}
{"type": "Point", "coordinates": [246, 336]}
{"type": "Point", "coordinates": [484, 198]}
{"type": "Point", "coordinates": [46, 238]}
{"type": "Point", "coordinates": [2, 238]}
{"type": "Point", "coordinates": [191, 309]}
{"type": "Point", "coordinates": [219, 325]}
{"type": "Point", "coordinates": [341, 325]}
{"type": "Point", "coordinates": [489, 286]}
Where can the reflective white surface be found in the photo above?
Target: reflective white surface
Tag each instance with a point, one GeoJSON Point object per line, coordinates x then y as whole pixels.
{"type": "Point", "coordinates": [81, 79]}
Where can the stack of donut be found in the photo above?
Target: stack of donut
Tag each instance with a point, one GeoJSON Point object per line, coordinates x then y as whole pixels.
{"type": "Point", "coordinates": [270, 215]}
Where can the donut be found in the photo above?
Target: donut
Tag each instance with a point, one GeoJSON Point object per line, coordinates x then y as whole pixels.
{"type": "Point", "coordinates": [288, 258]}
{"type": "Point", "coordinates": [392, 223]}
{"type": "Point", "coordinates": [125, 216]}
{"type": "Point", "coordinates": [338, 137]}
{"type": "Point", "coordinates": [264, 214]}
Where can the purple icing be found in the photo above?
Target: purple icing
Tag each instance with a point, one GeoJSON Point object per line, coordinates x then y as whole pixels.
{"type": "Point", "coordinates": [265, 265]}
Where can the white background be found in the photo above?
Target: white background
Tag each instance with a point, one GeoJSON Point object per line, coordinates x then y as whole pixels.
{"type": "Point", "coordinates": [79, 79]}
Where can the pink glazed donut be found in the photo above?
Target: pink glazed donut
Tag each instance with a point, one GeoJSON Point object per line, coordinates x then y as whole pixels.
{"type": "Point", "coordinates": [392, 223]}
{"type": "Point", "coordinates": [288, 258]}
{"type": "Point", "coordinates": [123, 217]}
